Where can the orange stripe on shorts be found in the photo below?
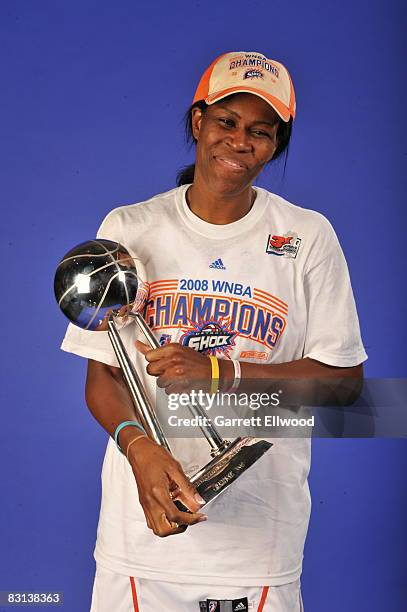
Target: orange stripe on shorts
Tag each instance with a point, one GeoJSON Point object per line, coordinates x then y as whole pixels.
{"type": "Point", "coordinates": [263, 599]}
{"type": "Point", "coordinates": [134, 594]}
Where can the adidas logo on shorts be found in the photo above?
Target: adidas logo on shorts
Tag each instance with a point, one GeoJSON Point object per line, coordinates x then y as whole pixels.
{"type": "Point", "coordinates": [224, 605]}
{"type": "Point", "coordinates": [217, 264]}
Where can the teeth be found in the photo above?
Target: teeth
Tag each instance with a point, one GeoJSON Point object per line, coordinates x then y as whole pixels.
{"type": "Point", "coordinates": [231, 163]}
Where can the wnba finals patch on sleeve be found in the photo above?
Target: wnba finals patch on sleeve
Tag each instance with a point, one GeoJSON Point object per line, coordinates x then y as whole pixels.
{"type": "Point", "coordinates": [224, 605]}
{"type": "Point", "coordinates": [286, 245]}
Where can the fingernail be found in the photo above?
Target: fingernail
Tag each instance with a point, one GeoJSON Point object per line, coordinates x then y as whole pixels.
{"type": "Point", "coordinates": [199, 499]}
{"type": "Point", "coordinates": [202, 518]}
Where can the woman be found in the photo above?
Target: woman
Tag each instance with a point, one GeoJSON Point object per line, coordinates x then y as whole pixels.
{"type": "Point", "coordinates": [219, 253]}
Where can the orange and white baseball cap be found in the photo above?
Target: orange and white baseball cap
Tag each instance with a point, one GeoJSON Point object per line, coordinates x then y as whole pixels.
{"type": "Point", "coordinates": [248, 72]}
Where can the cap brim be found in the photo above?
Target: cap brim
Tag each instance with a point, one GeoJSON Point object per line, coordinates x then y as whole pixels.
{"type": "Point", "coordinates": [278, 106]}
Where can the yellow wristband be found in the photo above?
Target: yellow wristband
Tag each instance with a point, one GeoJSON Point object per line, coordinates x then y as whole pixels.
{"type": "Point", "coordinates": [215, 373]}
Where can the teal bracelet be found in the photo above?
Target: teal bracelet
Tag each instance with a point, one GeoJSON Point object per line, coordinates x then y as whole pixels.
{"type": "Point", "coordinates": [125, 424]}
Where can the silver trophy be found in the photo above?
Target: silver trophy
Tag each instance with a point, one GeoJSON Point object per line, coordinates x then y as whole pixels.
{"type": "Point", "coordinates": [100, 286]}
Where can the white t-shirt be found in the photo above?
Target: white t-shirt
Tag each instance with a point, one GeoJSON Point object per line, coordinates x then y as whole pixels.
{"type": "Point", "coordinates": [277, 282]}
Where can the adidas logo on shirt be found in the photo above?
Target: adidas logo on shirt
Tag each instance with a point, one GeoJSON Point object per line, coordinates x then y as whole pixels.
{"type": "Point", "coordinates": [240, 606]}
{"type": "Point", "coordinates": [217, 264]}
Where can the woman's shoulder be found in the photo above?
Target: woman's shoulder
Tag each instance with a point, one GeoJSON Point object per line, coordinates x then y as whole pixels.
{"type": "Point", "coordinates": [155, 206]}
{"type": "Point", "coordinates": [297, 216]}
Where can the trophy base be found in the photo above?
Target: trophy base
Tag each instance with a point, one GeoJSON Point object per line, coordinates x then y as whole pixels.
{"type": "Point", "coordinates": [226, 467]}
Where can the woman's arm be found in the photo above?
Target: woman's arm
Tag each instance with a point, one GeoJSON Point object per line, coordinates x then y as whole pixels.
{"type": "Point", "coordinates": [304, 381]}
{"type": "Point", "coordinates": [156, 471]}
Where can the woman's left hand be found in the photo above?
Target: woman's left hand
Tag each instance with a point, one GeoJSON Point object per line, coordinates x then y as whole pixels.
{"type": "Point", "coordinates": [178, 368]}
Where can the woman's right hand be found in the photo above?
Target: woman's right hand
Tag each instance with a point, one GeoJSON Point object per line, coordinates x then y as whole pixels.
{"type": "Point", "coordinates": [161, 480]}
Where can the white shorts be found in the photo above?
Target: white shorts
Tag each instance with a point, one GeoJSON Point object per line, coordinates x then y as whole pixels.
{"type": "Point", "coordinates": [118, 593]}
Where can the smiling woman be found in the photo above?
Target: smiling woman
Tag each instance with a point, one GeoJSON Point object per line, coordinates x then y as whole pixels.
{"type": "Point", "coordinates": [266, 125]}
{"type": "Point", "coordinates": [247, 286]}
{"type": "Point", "coordinates": [235, 139]}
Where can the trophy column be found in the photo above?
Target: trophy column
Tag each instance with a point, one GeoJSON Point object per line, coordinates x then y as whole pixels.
{"type": "Point", "coordinates": [218, 445]}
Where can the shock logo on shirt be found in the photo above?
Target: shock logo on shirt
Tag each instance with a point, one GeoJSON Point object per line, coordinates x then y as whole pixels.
{"type": "Point", "coordinates": [211, 322]}
{"type": "Point", "coordinates": [209, 338]}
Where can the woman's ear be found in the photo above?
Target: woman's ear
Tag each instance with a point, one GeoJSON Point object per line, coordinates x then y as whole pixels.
{"type": "Point", "coordinates": [196, 120]}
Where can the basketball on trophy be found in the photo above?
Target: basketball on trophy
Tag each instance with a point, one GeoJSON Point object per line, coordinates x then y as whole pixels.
{"type": "Point", "coordinates": [96, 278]}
